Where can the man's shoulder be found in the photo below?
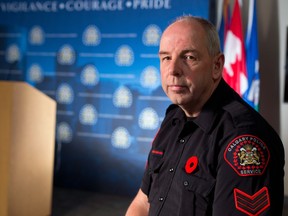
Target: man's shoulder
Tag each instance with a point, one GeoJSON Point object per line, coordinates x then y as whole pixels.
{"type": "Point", "coordinates": [243, 115]}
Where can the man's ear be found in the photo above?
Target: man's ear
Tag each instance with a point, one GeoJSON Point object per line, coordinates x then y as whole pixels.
{"type": "Point", "coordinates": [218, 66]}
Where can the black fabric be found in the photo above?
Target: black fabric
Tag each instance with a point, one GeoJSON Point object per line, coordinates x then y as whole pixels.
{"type": "Point", "coordinates": [210, 188]}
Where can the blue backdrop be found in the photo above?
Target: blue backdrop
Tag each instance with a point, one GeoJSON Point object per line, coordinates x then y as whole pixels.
{"type": "Point", "coordinates": [98, 60]}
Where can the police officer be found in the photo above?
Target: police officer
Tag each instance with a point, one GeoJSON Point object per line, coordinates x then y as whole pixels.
{"type": "Point", "coordinates": [213, 155]}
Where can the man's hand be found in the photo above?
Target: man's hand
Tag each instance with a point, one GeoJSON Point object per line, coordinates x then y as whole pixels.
{"type": "Point", "coordinates": [139, 206]}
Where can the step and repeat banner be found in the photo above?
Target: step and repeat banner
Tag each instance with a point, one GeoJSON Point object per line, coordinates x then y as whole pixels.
{"type": "Point", "coordinates": [98, 60]}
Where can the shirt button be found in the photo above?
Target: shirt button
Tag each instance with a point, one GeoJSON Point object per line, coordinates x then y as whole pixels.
{"type": "Point", "coordinates": [171, 170]}
{"type": "Point", "coordinates": [182, 140]}
{"type": "Point", "coordinates": [185, 183]}
{"type": "Point", "coordinates": [161, 199]}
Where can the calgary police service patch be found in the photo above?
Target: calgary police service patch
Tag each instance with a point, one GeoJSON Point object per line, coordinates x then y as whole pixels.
{"type": "Point", "coordinates": [247, 155]}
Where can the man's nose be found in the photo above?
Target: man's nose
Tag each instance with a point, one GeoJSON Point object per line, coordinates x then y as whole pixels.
{"type": "Point", "coordinates": [175, 68]}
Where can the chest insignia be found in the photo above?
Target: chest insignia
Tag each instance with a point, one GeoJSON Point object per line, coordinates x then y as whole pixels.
{"type": "Point", "coordinates": [191, 164]}
{"type": "Point", "coordinates": [247, 155]}
{"type": "Point", "coordinates": [252, 204]}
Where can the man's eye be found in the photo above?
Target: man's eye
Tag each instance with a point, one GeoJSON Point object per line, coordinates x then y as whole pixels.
{"type": "Point", "coordinates": [165, 58]}
{"type": "Point", "coordinates": [190, 57]}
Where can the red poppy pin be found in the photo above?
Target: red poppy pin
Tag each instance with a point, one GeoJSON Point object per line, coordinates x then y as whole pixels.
{"type": "Point", "coordinates": [191, 164]}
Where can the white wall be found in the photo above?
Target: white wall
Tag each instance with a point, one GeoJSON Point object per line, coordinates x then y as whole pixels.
{"type": "Point", "coordinates": [283, 27]}
{"type": "Point", "coordinates": [272, 25]}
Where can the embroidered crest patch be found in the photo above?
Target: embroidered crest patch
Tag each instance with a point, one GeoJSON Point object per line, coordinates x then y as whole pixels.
{"type": "Point", "coordinates": [247, 155]}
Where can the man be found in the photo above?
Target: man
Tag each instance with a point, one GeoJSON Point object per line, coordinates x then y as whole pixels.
{"type": "Point", "coordinates": [213, 155]}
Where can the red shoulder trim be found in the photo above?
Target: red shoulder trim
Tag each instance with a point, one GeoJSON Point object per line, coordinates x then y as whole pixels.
{"type": "Point", "coordinates": [157, 152]}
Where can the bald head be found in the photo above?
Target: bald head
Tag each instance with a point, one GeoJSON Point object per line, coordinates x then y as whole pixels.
{"type": "Point", "coordinates": [210, 32]}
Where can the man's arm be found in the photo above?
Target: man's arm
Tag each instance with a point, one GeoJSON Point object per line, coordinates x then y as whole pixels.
{"type": "Point", "coordinates": [139, 206]}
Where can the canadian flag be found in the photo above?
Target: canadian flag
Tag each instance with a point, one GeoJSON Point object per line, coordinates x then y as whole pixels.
{"type": "Point", "coordinates": [235, 72]}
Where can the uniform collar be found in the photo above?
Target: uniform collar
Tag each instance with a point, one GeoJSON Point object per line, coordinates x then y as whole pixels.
{"type": "Point", "coordinates": [213, 106]}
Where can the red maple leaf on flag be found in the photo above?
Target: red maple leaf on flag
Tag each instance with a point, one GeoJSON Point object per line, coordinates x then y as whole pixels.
{"type": "Point", "coordinates": [235, 72]}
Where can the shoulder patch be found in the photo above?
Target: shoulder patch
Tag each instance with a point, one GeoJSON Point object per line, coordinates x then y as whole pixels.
{"type": "Point", "coordinates": [248, 155]}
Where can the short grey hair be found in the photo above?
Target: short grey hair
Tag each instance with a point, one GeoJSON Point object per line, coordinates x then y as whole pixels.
{"type": "Point", "coordinates": [213, 40]}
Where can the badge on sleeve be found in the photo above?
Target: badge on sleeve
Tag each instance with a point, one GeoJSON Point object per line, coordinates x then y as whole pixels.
{"type": "Point", "coordinates": [248, 155]}
{"type": "Point", "coordinates": [252, 204]}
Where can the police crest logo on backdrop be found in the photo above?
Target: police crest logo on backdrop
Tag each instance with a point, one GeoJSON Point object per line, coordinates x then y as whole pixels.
{"type": "Point", "coordinates": [98, 60]}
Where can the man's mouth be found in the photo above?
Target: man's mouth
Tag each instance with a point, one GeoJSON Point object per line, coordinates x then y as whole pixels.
{"type": "Point", "coordinates": [177, 87]}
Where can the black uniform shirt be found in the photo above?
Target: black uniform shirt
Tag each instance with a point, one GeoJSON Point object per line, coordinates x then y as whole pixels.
{"type": "Point", "coordinates": [227, 161]}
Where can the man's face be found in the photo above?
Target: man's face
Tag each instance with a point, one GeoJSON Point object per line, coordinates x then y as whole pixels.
{"type": "Point", "coordinates": [186, 66]}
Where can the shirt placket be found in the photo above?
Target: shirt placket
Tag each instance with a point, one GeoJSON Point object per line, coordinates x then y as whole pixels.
{"type": "Point", "coordinates": [172, 169]}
